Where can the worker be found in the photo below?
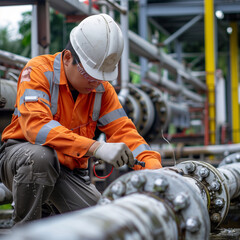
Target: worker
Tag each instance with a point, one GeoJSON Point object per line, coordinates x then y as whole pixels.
{"type": "Point", "coordinates": [61, 99]}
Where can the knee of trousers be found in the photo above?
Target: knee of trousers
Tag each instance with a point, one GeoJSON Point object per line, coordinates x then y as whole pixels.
{"type": "Point", "coordinates": [42, 164]}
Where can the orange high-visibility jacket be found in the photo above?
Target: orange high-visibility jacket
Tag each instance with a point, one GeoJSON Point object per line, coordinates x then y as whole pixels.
{"type": "Point", "coordinates": [46, 114]}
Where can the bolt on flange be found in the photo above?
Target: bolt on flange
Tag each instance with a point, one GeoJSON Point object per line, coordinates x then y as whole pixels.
{"type": "Point", "coordinates": [193, 224]}
{"type": "Point", "coordinates": [190, 167]}
{"type": "Point", "coordinates": [137, 180]}
{"type": "Point", "coordinates": [118, 189]}
{"type": "Point", "coordinates": [160, 185]}
{"type": "Point", "coordinates": [181, 201]}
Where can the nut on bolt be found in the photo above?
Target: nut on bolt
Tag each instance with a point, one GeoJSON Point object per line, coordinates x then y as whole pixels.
{"type": "Point", "coordinates": [237, 157]}
{"type": "Point", "coordinates": [204, 172]}
{"type": "Point", "coordinates": [181, 201]}
{"type": "Point", "coordinates": [160, 185]}
{"type": "Point", "coordinates": [215, 217]}
{"type": "Point", "coordinates": [215, 185]}
{"type": "Point", "coordinates": [228, 160]}
{"type": "Point", "coordinates": [193, 224]}
{"type": "Point", "coordinates": [119, 188]}
{"type": "Point", "coordinates": [190, 167]}
{"type": "Point", "coordinates": [137, 180]}
{"type": "Point", "coordinates": [219, 202]}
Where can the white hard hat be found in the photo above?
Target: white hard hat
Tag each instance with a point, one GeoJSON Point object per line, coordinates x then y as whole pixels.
{"type": "Point", "coordinates": [98, 42]}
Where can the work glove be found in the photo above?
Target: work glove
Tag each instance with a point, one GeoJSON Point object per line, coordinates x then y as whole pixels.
{"type": "Point", "coordinates": [116, 154]}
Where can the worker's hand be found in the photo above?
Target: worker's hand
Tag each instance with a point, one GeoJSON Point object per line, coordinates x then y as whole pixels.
{"type": "Point", "coordinates": [117, 154]}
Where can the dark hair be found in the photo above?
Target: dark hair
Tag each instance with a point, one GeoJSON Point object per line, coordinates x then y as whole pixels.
{"type": "Point", "coordinates": [74, 54]}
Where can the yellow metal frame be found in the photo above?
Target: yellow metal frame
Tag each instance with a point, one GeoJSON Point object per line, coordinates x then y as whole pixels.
{"type": "Point", "coordinates": [234, 82]}
{"type": "Point", "coordinates": [210, 65]}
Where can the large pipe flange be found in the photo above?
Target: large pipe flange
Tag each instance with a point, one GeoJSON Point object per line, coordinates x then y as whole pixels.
{"type": "Point", "coordinates": [191, 216]}
{"type": "Point", "coordinates": [155, 95]}
{"type": "Point", "coordinates": [215, 187]}
{"type": "Point", "coordinates": [146, 107]}
{"type": "Point", "coordinates": [133, 111]}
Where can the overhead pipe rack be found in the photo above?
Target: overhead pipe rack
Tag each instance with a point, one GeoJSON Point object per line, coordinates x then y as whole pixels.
{"type": "Point", "coordinates": [144, 48]}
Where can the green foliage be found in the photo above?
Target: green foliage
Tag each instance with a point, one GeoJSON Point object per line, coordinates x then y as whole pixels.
{"type": "Point", "coordinates": [8, 45]}
{"type": "Point", "coordinates": [25, 31]}
{"type": "Point", "coordinates": [59, 32]}
{"type": "Point", "coordinates": [6, 207]}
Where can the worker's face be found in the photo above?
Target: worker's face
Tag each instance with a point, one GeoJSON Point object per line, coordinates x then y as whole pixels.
{"type": "Point", "coordinates": [77, 77]}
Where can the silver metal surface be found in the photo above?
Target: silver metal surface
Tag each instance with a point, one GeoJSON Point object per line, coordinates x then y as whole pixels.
{"type": "Point", "coordinates": [147, 113]}
{"type": "Point", "coordinates": [149, 204]}
{"type": "Point", "coordinates": [8, 90]}
{"type": "Point", "coordinates": [136, 217]}
{"type": "Point", "coordinates": [173, 190]}
{"type": "Point", "coordinates": [174, 87]}
{"type": "Point", "coordinates": [231, 174]}
{"type": "Point", "coordinates": [210, 149]}
{"type": "Point", "coordinates": [220, 185]}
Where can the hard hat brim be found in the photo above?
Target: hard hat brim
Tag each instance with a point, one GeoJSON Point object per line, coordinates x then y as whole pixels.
{"type": "Point", "coordinates": [100, 75]}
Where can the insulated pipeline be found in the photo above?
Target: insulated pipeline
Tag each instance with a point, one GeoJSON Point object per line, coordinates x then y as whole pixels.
{"type": "Point", "coordinates": [149, 204]}
{"type": "Point", "coordinates": [130, 217]}
{"type": "Point", "coordinates": [231, 174]}
{"type": "Point", "coordinates": [145, 204]}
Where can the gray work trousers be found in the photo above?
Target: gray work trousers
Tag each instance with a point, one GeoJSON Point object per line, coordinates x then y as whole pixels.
{"type": "Point", "coordinates": [34, 176]}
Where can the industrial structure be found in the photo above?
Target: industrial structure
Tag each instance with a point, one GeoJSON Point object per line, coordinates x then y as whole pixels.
{"type": "Point", "coordinates": [188, 110]}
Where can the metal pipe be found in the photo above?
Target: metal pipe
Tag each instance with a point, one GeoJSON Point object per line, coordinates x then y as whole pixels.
{"type": "Point", "coordinates": [170, 85]}
{"type": "Point", "coordinates": [220, 99]}
{"type": "Point", "coordinates": [208, 150]}
{"type": "Point", "coordinates": [8, 90]}
{"type": "Point", "coordinates": [220, 184]}
{"type": "Point", "coordinates": [125, 55]}
{"type": "Point", "coordinates": [34, 33]}
{"type": "Point", "coordinates": [148, 50]}
{"type": "Point", "coordinates": [12, 58]}
{"type": "Point", "coordinates": [231, 174]}
{"type": "Point", "coordinates": [147, 204]}
{"type": "Point", "coordinates": [126, 218]}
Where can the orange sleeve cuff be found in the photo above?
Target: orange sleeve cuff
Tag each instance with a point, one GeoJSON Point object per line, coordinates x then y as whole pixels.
{"type": "Point", "coordinates": [152, 160]}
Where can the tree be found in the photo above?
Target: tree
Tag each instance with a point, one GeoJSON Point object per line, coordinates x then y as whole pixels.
{"type": "Point", "coordinates": [9, 45]}
{"type": "Point", "coordinates": [59, 32]}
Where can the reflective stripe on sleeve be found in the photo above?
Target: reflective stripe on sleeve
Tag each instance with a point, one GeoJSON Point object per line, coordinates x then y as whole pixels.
{"type": "Point", "coordinates": [140, 149]}
{"type": "Point", "coordinates": [42, 134]}
{"type": "Point", "coordinates": [110, 117]}
{"type": "Point", "coordinates": [45, 104]}
{"type": "Point", "coordinates": [16, 112]}
{"type": "Point", "coordinates": [33, 93]}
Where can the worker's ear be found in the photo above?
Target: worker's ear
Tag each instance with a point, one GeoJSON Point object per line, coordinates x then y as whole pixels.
{"type": "Point", "coordinates": [67, 58]}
